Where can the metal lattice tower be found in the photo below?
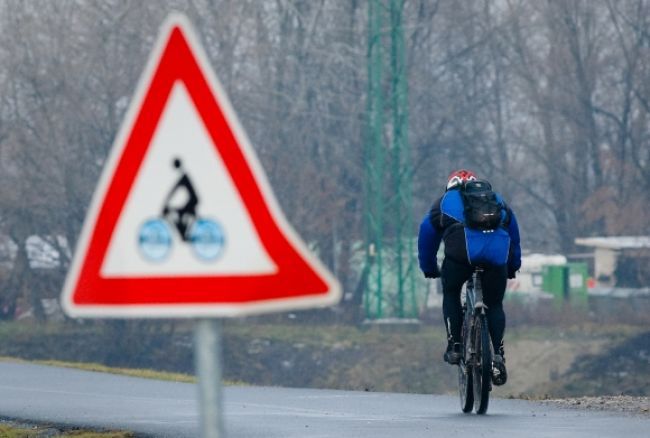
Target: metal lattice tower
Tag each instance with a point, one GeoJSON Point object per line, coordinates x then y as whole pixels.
{"type": "Point", "coordinates": [389, 268]}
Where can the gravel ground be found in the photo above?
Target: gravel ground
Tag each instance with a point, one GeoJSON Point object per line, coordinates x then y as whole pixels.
{"type": "Point", "coordinates": [618, 403]}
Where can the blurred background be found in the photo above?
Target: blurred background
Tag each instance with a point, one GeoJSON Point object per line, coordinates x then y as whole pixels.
{"type": "Point", "coordinates": [358, 111]}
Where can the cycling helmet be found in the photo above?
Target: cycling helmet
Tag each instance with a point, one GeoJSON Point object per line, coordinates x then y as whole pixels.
{"type": "Point", "coordinates": [458, 177]}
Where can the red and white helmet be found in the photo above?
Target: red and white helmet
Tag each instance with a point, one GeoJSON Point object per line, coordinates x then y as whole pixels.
{"type": "Point", "coordinates": [458, 177]}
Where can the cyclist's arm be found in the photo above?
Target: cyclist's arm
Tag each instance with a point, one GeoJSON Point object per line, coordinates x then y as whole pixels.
{"type": "Point", "coordinates": [514, 259]}
{"type": "Point", "coordinates": [429, 239]}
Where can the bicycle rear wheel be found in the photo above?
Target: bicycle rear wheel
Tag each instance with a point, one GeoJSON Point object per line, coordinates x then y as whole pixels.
{"type": "Point", "coordinates": [482, 370]}
{"type": "Point", "coordinates": [465, 389]}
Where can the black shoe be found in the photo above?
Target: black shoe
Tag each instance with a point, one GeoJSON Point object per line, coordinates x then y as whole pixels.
{"type": "Point", "coordinates": [454, 353]}
{"type": "Point", "coordinates": [499, 373]}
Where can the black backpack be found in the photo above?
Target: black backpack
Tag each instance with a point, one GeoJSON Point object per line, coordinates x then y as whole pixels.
{"type": "Point", "coordinates": [481, 207]}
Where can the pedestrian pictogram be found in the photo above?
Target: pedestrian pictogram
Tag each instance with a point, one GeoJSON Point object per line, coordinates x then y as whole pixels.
{"type": "Point", "coordinates": [183, 221]}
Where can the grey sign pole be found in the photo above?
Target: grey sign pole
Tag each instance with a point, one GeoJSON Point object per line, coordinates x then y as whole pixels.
{"type": "Point", "coordinates": [207, 355]}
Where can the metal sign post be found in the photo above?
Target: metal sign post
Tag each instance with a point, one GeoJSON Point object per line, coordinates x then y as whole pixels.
{"type": "Point", "coordinates": [207, 356]}
{"type": "Point", "coordinates": [133, 259]}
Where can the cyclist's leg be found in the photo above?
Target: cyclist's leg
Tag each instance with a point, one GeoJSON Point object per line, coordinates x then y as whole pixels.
{"type": "Point", "coordinates": [453, 275]}
{"type": "Point", "coordinates": [494, 287]}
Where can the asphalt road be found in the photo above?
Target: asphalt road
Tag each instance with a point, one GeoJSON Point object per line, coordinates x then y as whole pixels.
{"type": "Point", "coordinates": [167, 409]}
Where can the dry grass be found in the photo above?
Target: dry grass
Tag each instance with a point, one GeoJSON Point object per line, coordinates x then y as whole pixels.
{"type": "Point", "coordinates": [143, 373]}
{"type": "Point", "coordinates": [24, 431]}
{"type": "Point", "coordinates": [133, 372]}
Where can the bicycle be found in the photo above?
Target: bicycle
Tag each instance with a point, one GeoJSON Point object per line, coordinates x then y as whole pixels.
{"type": "Point", "coordinates": [205, 236]}
{"type": "Point", "coordinates": [475, 367]}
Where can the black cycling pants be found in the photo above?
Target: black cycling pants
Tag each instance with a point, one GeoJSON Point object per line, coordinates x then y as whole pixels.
{"type": "Point", "coordinates": [494, 280]}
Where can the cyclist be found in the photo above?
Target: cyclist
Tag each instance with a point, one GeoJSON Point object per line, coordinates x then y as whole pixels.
{"type": "Point", "coordinates": [181, 202]}
{"type": "Point", "coordinates": [497, 251]}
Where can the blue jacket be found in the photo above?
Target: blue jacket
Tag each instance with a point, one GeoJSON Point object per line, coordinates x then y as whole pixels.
{"type": "Point", "coordinates": [446, 221]}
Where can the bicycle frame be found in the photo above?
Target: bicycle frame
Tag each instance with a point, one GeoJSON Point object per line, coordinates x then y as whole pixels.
{"type": "Point", "coordinates": [474, 293]}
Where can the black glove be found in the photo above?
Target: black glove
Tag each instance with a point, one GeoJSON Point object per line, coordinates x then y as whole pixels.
{"type": "Point", "coordinates": [435, 273]}
{"type": "Point", "coordinates": [512, 273]}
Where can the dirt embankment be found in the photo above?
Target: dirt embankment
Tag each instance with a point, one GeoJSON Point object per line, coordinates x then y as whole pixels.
{"type": "Point", "coordinates": [533, 364]}
{"type": "Point", "coordinates": [620, 367]}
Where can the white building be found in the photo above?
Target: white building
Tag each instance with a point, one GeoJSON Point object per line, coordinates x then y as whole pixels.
{"type": "Point", "coordinates": [607, 251]}
{"type": "Point", "coordinates": [529, 277]}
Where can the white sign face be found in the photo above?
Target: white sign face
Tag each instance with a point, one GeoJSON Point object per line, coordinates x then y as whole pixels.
{"type": "Point", "coordinates": [181, 138]}
{"type": "Point", "coordinates": [183, 221]}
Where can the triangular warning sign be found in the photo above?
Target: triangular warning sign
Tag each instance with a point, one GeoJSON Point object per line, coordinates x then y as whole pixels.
{"type": "Point", "coordinates": [183, 222]}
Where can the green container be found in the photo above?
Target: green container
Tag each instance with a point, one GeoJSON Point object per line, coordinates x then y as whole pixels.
{"type": "Point", "coordinates": [555, 281]}
{"type": "Point", "coordinates": [568, 283]}
{"type": "Point", "coordinates": [578, 274]}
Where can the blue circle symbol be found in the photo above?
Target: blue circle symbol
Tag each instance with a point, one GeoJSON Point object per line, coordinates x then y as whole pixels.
{"type": "Point", "coordinates": [155, 239]}
{"type": "Point", "coordinates": [208, 239]}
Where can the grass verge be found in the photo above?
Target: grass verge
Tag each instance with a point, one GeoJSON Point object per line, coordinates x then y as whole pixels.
{"type": "Point", "coordinates": [132, 372]}
{"type": "Point", "coordinates": [11, 431]}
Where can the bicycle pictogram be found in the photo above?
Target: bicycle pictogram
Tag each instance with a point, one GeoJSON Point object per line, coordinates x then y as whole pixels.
{"type": "Point", "coordinates": [179, 214]}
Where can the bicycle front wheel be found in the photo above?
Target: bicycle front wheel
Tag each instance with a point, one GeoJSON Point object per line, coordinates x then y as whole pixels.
{"type": "Point", "coordinates": [483, 367]}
